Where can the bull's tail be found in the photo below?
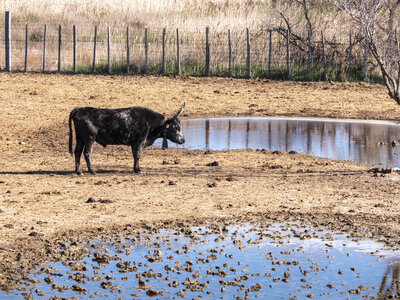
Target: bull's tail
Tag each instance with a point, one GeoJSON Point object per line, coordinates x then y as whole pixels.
{"type": "Point", "coordinates": [71, 115]}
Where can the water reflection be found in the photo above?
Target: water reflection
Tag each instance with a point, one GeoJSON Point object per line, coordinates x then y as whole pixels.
{"type": "Point", "coordinates": [392, 290]}
{"type": "Point", "coordinates": [360, 141]}
{"type": "Point", "coordinates": [266, 261]}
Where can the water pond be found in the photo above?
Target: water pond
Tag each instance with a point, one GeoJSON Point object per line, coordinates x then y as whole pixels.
{"type": "Point", "coordinates": [373, 143]}
{"type": "Point", "coordinates": [270, 261]}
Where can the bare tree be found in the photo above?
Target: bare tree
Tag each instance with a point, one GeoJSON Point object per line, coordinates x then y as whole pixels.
{"type": "Point", "coordinates": [378, 21]}
{"type": "Point", "coordinates": [305, 6]}
{"type": "Point", "coordinates": [291, 21]}
{"type": "Point", "coordinates": [301, 17]}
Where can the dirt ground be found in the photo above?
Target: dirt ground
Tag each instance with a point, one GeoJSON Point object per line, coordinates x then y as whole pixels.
{"type": "Point", "coordinates": [44, 203]}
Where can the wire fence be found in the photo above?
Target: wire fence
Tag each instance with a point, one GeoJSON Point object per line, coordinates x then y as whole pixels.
{"type": "Point", "coordinates": [264, 53]}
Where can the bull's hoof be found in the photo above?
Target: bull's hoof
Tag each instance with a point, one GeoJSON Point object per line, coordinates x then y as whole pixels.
{"type": "Point", "coordinates": [79, 173]}
{"type": "Point", "coordinates": [137, 171]}
{"type": "Point", "coordinates": [93, 173]}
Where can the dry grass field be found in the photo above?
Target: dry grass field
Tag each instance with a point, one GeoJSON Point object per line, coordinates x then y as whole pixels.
{"type": "Point", "coordinates": [191, 18]}
{"type": "Point", "coordinates": [43, 202]}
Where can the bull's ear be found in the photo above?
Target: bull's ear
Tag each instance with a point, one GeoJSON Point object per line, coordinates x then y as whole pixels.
{"type": "Point", "coordinates": [180, 111]}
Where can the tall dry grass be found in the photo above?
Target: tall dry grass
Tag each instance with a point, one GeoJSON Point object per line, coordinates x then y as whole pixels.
{"type": "Point", "coordinates": [185, 14]}
{"type": "Point", "coordinates": [190, 16]}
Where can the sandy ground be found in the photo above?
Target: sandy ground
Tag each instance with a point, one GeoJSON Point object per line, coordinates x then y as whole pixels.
{"type": "Point", "coordinates": [43, 203]}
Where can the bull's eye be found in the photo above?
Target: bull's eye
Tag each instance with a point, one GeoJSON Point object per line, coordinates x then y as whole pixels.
{"type": "Point", "coordinates": [167, 126]}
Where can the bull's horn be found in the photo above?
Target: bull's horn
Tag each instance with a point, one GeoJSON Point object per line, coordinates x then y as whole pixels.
{"type": "Point", "coordinates": [180, 111]}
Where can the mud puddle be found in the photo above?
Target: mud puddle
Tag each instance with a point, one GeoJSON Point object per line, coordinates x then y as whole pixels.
{"type": "Point", "coordinates": [242, 261]}
{"type": "Point", "coordinates": [368, 142]}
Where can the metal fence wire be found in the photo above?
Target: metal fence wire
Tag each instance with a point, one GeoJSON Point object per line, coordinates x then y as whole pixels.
{"type": "Point", "coordinates": [263, 53]}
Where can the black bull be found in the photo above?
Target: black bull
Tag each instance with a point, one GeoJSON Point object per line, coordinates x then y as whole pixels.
{"type": "Point", "coordinates": [137, 127]}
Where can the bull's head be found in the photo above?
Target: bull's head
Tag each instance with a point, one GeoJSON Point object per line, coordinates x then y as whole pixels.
{"type": "Point", "coordinates": [173, 129]}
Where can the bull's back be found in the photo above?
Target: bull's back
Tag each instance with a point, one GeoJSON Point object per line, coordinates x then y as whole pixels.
{"type": "Point", "coordinates": [115, 126]}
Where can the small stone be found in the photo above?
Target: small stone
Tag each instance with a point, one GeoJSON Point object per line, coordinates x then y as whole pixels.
{"type": "Point", "coordinates": [97, 278]}
{"type": "Point", "coordinates": [90, 200]}
{"type": "Point", "coordinates": [105, 201]}
{"type": "Point", "coordinates": [152, 292]}
{"type": "Point", "coordinates": [48, 280]}
{"type": "Point", "coordinates": [76, 266]}
{"type": "Point", "coordinates": [36, 234]}
{"type": "Point", "coordinates": [106, 284]}
{"type": "Point", "coordinates": [256, 288]}
{"type": "Point", "coordinates": [78, 288]}
{"type": "Point", "coordinates": [354, 292]}
{"type": "Point", "coordinates": [213, 164]}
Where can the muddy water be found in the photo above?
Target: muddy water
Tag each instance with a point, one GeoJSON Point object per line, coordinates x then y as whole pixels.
{"type": "Point", "coordinates": [360, 141]}
{"type": "Point", "coordinates": [271, 261]}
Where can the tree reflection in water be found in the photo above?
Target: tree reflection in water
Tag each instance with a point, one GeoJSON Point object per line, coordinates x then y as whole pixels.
{"type": "Point", "coordinates": [360, 141]}
{"type": "Point", "coordinates": [391, 291]}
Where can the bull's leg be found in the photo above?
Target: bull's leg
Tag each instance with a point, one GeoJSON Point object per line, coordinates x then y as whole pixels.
{"type": "Point", "coordinates": [78, 153]}
{"type": "Point", "coordinates": [87, 152]}
{"type": "Point", "coordinates": [136, 149]}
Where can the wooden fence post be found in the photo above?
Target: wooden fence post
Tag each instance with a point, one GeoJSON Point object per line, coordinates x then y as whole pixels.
{"type": "Point", "coordinates": [44, 48]}
{"type": "Point", "coordinates": [309, 56]}
{"type": "Point", "coordinates": [146, 52]}
{"type": "Point", "coordinates": [323, 55]}
{"type": "Point", "coordinates": [94, 49]}
{"type": "Point", "coordinates": [365, 59]}
{"type": "Point", "coordinates": [127, 50]}
{"type": "Point", "coordinates": [287, 54]}
{"type": "Point", "coordinates": [350, 45]}
{"type": "Point", "coordinates": [269, 52]}
{"type": "Point", "coordinates": [391, 53]}
{"type": "Point", "coordinates": [108, 50]}
{"type": "Point", "coordinates": [178, 59]}
{"type": "Point", "coordinates": [230, 53]}
{"type": "Point", "coordinates": [207, 51]}
{"type": "Point", "coordinates": [8, 40]}
{"type": "Point", "coordinates": [74, 55]}
{"type": "Point", "coordinates": [26, 48]}
{"type": "Point", "coordinates": [59, 48]}
{"type": "Point", "coordinates": [248, 61]}
{"type": "Point", "coordinates": [163, 50]}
